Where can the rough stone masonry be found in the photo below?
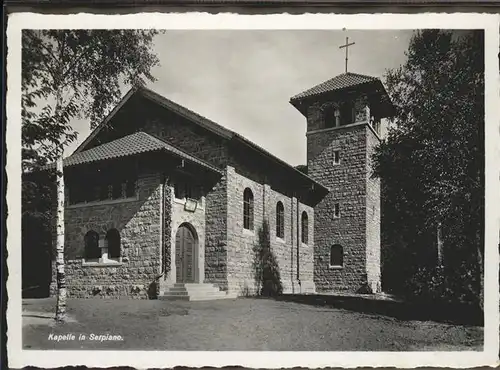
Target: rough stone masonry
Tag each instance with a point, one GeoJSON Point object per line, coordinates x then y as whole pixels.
{"type": "Point", "coordinates": [338, 199]}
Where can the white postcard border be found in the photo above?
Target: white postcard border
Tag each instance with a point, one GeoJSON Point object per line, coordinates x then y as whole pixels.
{"type": "Point", "coordinates": [142, 359]}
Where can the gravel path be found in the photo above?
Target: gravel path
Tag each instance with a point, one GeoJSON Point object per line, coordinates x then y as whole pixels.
{"type": "Point", "coordinates": [240, 324]}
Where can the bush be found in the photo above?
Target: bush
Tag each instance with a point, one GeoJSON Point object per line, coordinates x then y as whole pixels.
{"type": "Point", "coordinates": [457, 285]}
{"type": "Point", "coordinates": [266, 268]}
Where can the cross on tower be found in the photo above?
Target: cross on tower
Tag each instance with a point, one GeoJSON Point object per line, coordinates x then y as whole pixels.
{"type": "Point", "coordinates": [346, 46]}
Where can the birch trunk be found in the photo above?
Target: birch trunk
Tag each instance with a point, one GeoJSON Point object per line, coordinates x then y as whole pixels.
{"type": "Point", "coordinates": [61, 278]}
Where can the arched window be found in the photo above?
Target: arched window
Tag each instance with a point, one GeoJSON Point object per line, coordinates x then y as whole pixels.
{"type": "Point", "coordinates": [280, 220]}
{"type": "Point", "coordinates": [337, 255]}
{"type": "Point", "coordinates": [331, 116]}
{"type": "Point", "coordinates": [347, 113]}
{"type": "Point", "coordinates": [305, 227]}
{"type": "Point", "coordinates": [113, 243]}
{"type": "Point", "coordinates": [248, 209]}
{"type": "Point", "coordinates": [92, 250]}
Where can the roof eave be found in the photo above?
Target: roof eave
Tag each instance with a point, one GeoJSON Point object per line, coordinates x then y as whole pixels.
{"type": "Point", "coordinates": [299, 106]}
{"type": "Point", "coordinates": [159, 150]}
{"type": "Point", "coordinates": [316, 185]}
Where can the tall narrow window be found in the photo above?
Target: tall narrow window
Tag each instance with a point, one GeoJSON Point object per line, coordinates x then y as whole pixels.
{"type": "Point", "coordinates": [305, 228]}
{"type": "Point", "coordinates": [337, 255]}
{"type": "Point", "coordinates": [347, 113]}
{"type": "Point", "coordinates": [113, 241]}
{"type": "Point", "coordinates": [336, 156]}
{"type": "Point", "coordinates": [329, 116]}
{"type": "Point", "coordinates": [337, 117]}
{"type": "Point", "coordinates": [248, 209]}
{"type": "Point", "coordinates": [280, 220]}
{"type": "Point", "coordinates": [92, 250]}
{"type": "Point", "coordinates": [336, 210]}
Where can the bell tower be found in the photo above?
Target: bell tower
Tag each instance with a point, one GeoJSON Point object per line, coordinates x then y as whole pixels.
{"type": "Point", "coordinates": [344, 116]}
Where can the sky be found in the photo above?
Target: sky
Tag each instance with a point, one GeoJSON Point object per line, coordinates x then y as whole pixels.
{"type": "Point", "coordinates": [243, 80]}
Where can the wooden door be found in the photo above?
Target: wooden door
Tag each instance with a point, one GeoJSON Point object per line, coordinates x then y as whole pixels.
{"type": "Point", "coordinates": [184, 255]}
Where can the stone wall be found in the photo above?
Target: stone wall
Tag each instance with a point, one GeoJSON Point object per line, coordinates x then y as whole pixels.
{"type": "Point", "coordinates": [373, 217]}
{"type": "Point", "coordinates": [138, 222]}
{"type": "Point", "coordinates": [306, 250]}
{"type": "Point", "coordinates": [196, 222]}
{"type": "Point", "coordinates": [141, 114]}
{"type": "Point", "coordinates": [241, 242]}
{"type": "Point", "coordinates": [226, 248]}
{"type": "Point", "coordinates": [166, 255]}
{"type": "Point", "coordinates": [347, 182]}
{"type": "Point", "coordinates": [216, 213]}
{"type": "Point", "coordinates": [186, 135]}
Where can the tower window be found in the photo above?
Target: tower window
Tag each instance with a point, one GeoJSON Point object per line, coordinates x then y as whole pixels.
{"type": "Point", "coordinates": [331, 116]}
{"type": "Point", "coordinates": [305, 228]}
{"type": "Point", "coordinates": [336, 210]}
{"type": "Point", "coordinates": [248, 209]}
{"type": "Point", "coordinates": [336, 156]}
{"type": "Point", "coordinates": [347, 113]}
{"type": "Point", "coordinates": [280, 220]}
{"type": "Point", "coordinates": [336, 256]}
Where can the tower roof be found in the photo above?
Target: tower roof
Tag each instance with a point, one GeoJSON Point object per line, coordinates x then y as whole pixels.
{"type": "Point", "coordinates": [344, 83]}
{"type": "Point", "coordinates": [339, 82]}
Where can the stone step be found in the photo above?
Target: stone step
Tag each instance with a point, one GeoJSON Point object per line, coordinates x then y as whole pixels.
{"type": "Point", "coordinates": [193, 292]}
{"type": "Point", "coordinates": [194, 286]}
{"type": "Point", "coordinates": [176, 289]}
{"type": "Point", "coordinates": [201, 297]}
{"type": "Point", "coordinates": [211, 298]}
{"type": "Point", "coordinates": [167, 297]}
{"type": "Point", "coordinates": [177, 293]}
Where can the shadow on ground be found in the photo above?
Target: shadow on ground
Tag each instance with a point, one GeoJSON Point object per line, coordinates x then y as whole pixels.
{"type": "Point", "coordinates": [445, 313]}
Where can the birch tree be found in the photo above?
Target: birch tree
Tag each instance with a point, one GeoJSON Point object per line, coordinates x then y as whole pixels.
{"type": "Point", "coordinates": [68, 74]}
{"type": "Point", "coordinates": [61, 276]}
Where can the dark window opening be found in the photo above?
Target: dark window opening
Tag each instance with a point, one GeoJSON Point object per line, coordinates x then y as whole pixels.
{"type": "Point", "coordinates": [331, 116]}
{"type": "Point", "coordinates": [101, 187]}
{"type": "Point", "coordinates": [336, 157]}
{"type": "Point", "coordinates": [280, 220]}
{"type": "Point", "coordinates": [347, 113]}
{"type": "Point", "coordinates": [305, 228]}
{"type": "Point", "coordinates": [248, 209]}
{"type": "Point", "coordinates": [113, 242]}
{"type": "Point", "coordinates": [92, 250]}
{"type": "Point", "coordinates": [337, 255]}
{"type": "Point", "coordinates": [336, 210]}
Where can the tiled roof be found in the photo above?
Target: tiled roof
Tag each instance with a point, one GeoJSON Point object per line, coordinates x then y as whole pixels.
{"type": "Point", "coordinates": [197, 119]}
{"type": "Point", "coordinates": [136, 143]}
{"type": "Point", "coordinates": [339, 82]}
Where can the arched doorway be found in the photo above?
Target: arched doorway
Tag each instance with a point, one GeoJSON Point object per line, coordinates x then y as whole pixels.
{"type": "Point", "coordinates": [185, 252]}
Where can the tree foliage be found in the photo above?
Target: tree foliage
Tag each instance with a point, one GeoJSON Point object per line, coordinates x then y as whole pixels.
{"type": "Point", "coordinates": [75, 73]}
{"type": "Point", "coordinates": [432, 163]}
{"type": "Point", "coordinates": [266, 269]}
{"type": "Point", "coordinates": [68, 74]}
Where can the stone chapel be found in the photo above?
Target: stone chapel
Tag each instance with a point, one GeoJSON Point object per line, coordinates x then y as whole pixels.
{"type": "Point", "coordinates": [161, 201]}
